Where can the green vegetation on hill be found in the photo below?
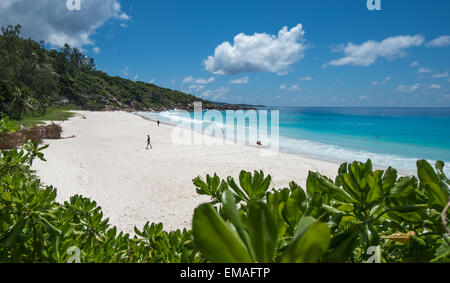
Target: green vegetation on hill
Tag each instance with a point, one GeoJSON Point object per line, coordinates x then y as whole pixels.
{"type": "Point", "coordinates": [32, 79]}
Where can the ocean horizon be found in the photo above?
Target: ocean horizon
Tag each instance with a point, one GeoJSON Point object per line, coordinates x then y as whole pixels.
{"type": "Point", "coordinates": [389, 136]}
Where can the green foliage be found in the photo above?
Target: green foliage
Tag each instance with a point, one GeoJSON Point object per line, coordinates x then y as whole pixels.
{"type": "Point", "coordinates": [32, 79]}
{"type": "Point", "coordinates": [252, 187]}
{"type": "Point", "coordinates": [216, 238]}
{"type": "Point", "coordinates": [256, 232]}
{"type": "Point", "coordinates": [7, 126]}
{"type": "Point", "coordinates": [212, 187]}
{"type": "Point", "coordinates": [36, 228]}
{"type": "Point", "coordinates": [334, 221]}
{"type": "Point", "coordinates": [27, 84]}
{"type": "Point", "coordinates": [367, 208]}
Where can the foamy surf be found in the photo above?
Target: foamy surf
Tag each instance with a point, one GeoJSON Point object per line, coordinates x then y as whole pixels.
{"type": "Point", "coordinates": [406, 164]}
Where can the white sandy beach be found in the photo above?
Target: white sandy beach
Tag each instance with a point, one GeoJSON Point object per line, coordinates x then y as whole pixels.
{"type": "Point", "coordinates": [108, 162]}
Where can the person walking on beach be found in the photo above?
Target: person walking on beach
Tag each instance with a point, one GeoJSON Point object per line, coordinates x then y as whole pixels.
{"type": "Point", "coordinates": [149, 142]}
{"type": "Point", "coordinates": [158, 122]}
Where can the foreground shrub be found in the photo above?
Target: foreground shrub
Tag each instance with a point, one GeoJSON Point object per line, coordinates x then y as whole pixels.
{"type": "Point", "coordinates": [363, 216]}
{"type": "Point", "coordinates": [36, 228]}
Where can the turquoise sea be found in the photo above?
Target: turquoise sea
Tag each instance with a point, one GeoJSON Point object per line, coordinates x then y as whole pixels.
{"type": "Point", "coordinates": [395, 137]}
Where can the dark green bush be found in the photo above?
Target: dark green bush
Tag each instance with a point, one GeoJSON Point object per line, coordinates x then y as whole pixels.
{"type": "Point", "coordinates": [365, 215]}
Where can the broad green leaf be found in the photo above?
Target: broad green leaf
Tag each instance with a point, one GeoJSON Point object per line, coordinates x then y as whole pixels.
{"type": "Point", "coordinates": [310, 244]}
{"type": "Point", "coordinates": [342, 245]}
{"type": "Point", "coordinates": [408, 208]}
{"type": "Point", "coordinates": [254, 186]}
{"type": "Point", "coordinates": [404, 187]}
{"type": "Point", "coordinates": [277, 202]}
{"type": "Point", "coordinates": [245, 182]}
{"type": "Point", "coordinates": [375, 193]}
{"type": "Point", "coordinates": [263, 231]}
{"type": "Point", "coordinates": [351, 187]}
{"type": "Point", "coordinates": [430, 182]}
{"type": "Point", "coordinates": [232, 215]}
{"type": "Point", "coordinates": [217, 240]}
{"type": "Point", "coordinates": [295, 205]}
{"type": "Point", "coordinates": [413, 216]}
{"type": "Point", "coordinates": [389, 178]}
{"type": "Point", "coordinates": [335, 191]}
{"type": "Point", "coordinates": [232, 184]}
{"type": "Point", "coordinates": [312, 185]}
{"type": "Point", "coordinates": [303, 224]}
{"type": "Point", "coordinates": [15, 232]}
{"type": "Point", "coordinates": [332, 210]}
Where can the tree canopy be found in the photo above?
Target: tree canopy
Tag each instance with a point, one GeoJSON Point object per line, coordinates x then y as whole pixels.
{"type": "Point", "coordinates": [32, 78]}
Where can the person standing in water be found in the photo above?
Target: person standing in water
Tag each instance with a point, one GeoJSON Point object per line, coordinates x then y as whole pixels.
{"type": "Point", "coordinates": [149, 144]}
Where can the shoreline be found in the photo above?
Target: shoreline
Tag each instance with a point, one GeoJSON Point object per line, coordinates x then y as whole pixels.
{"type": "Point", "coordinates": [401, 172]}
{"type": "Point", "coordinates": [253, 146]}
{"type": "Point", "coordinates": [108, 162]}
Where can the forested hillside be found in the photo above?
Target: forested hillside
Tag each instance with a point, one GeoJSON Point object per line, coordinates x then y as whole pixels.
{"type": "Point", "coordinates": [33, 78]}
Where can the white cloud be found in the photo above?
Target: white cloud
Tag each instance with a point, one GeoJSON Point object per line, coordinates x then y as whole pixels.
{"type": "Point", "coordinates": [126, 71]}
{"type": "Point", "coordinates": [440, 41]}
{"type": "Point", "coordinates": [443, 75]}
{"type": "Point", "coordinates": [196, 88]}
{"type": "Point", "coordinates": [291, 88]}
{"type": "Point", "coordinates": [415, 64]}
{"type": "Point", "coordinates": [135, 78]}
{"type": "Point", "coordinates": [259, 52]}
{"type": "Point", "coordinates": [386, 80]}
{"type": "Point", "coordinates": [199, 81]}
{"type": "Point", "coordinates": [188, 79]}
{"type": "Point", "coordinates": [424, 70]}
{"type": "Point", "coordinates": [204, 81]}
{"type": "Point", "coordinates": [96, 50]}
{"type": "Point", "coordinates": [405, 88]}
{"type": "Point", "coordinates": [118, 12]}
{"type": "Point", "coordinates": [307, 78]}
{"type": "Point", "coordinates": [295, 87]}
{"type": "Point", "coordinates": [51, 21]}
{"type": "Point", "coordinates": [367, 53]}
{"type": "Point", "coordinates": [215, 94]}
{"type": "Point", "coordinates": [152, 81]}
{"type": "Point", "coordinates": [364, 97]}
{"type": "Point", "coordinates": [243, 80]}
{"type": "Point", "coordinates": [435, 86]}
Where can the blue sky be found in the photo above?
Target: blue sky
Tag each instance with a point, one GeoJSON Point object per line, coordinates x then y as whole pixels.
{"type": "Point", "coordinates": [341, 55]}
